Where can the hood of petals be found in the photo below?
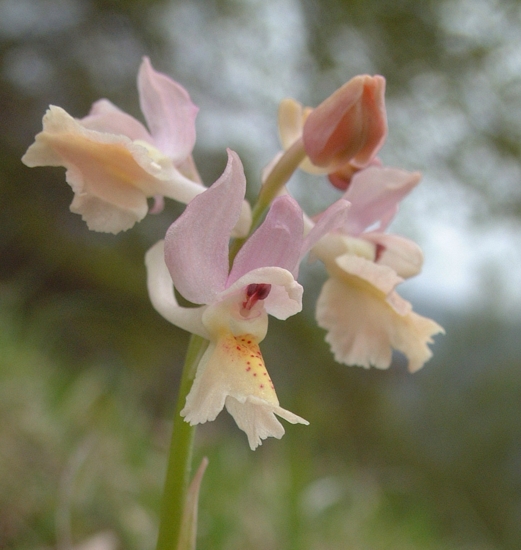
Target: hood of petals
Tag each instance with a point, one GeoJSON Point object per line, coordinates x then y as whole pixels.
{"type": "Point", "coordinates": [285, 297]}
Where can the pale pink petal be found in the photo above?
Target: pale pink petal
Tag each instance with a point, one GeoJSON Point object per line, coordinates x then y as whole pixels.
{"type": "Point", "coordinates": [276, 242]}
{"type": "Point", "coordinates": [374, 194]}
{"type": "Point", "coordinates": [104, 116]}
{"type": "Point", "coordinates": [334, 217]}
{"type": "Point", "coordinates": [162, 296]}
{"type": "Point", "coordinates": [404, 256]}
{"type": "Point", "coordinates": [363, 328]}
{"type": "Point", "coordinates": [169, 112]}
{"type": "Point", "coordinates": [285, 297]}
{"type": "Point", "coordinates": [158, 206]}
{"type": "Point", "coordinates": [196, 244]}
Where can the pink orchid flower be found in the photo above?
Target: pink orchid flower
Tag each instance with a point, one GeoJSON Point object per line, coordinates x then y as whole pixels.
{"type": "Point", "coordinates": [114, 163]}
{"type": "Point", "coordinates": [364, 316]}
{"type": "Point", "coordinates": [194, 258]}
{"type": "Point", "coordinates": [343, 134]}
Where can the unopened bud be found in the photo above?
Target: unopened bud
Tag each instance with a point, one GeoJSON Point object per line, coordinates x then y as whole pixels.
{"type": "Point", "coordinates": [350, 126]}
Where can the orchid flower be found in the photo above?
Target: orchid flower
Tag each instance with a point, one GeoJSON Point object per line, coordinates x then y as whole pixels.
{"type": "Point", "coordinates": [234, 303]}
{"type": "Point", "coordinates": [364, 316]}
{"type": "Point", "coordinates": [343, 134]}
{"type": "Point", "coordinates": [114, 163]}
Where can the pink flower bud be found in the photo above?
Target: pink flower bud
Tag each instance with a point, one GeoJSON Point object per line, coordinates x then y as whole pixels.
{"type": "Point", "coordinates": [350, 126]}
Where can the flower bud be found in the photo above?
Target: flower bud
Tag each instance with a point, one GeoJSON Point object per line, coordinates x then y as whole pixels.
{"type": "Point", "coordinates": [350, 126]}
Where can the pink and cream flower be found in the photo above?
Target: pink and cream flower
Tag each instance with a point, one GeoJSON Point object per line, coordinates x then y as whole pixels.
{"type": "Point", "coordinates": [364, 316]}
{"type": "Point", "coordinates": [114, 163]}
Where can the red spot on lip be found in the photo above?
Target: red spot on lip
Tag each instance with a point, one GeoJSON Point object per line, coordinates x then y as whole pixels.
{"type": "Point", "coordinates": [254, 293]}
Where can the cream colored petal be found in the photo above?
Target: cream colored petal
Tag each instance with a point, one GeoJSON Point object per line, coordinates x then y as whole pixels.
{"type": "Point", "coordinates": [404, 256]}
{"type": "Point", "coordinates": [232, 372]}
{"type": "Point", "coordinates": [104, 216]}
{"type": "Point", "coordinates": [161, 293]}
{"type": "Point", "coordinates": [242, 227]}
{"type": "Point", "coordinates": [381, 277]}
{"type": "Point", "coordinates": [105, 170]}
{"type": "Point", "coordinates": [291, 121]}
{"type": "Point", "coordinates": [292, 115]}
{"type": "Point", "coordinates": [363, 328]}
{"type": "Point", "coordinates": [257, 419]}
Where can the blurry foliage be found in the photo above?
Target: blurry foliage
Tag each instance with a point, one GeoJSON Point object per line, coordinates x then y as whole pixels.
{"type": "Point", "coordinates": [88, 370]}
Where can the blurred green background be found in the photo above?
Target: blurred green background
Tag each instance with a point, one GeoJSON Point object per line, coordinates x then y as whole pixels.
{"type": "Point", "coordinates": [88, 370]}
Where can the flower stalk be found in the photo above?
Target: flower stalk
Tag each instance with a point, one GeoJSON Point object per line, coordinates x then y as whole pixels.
{"type": "Point", "coordinates": [180, 456]}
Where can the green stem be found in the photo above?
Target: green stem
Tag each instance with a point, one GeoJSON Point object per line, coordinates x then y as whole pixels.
{"type": "Point", "coordinates": [277, 178]}
{"type": "Point", "coordinates": [180, 458]}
